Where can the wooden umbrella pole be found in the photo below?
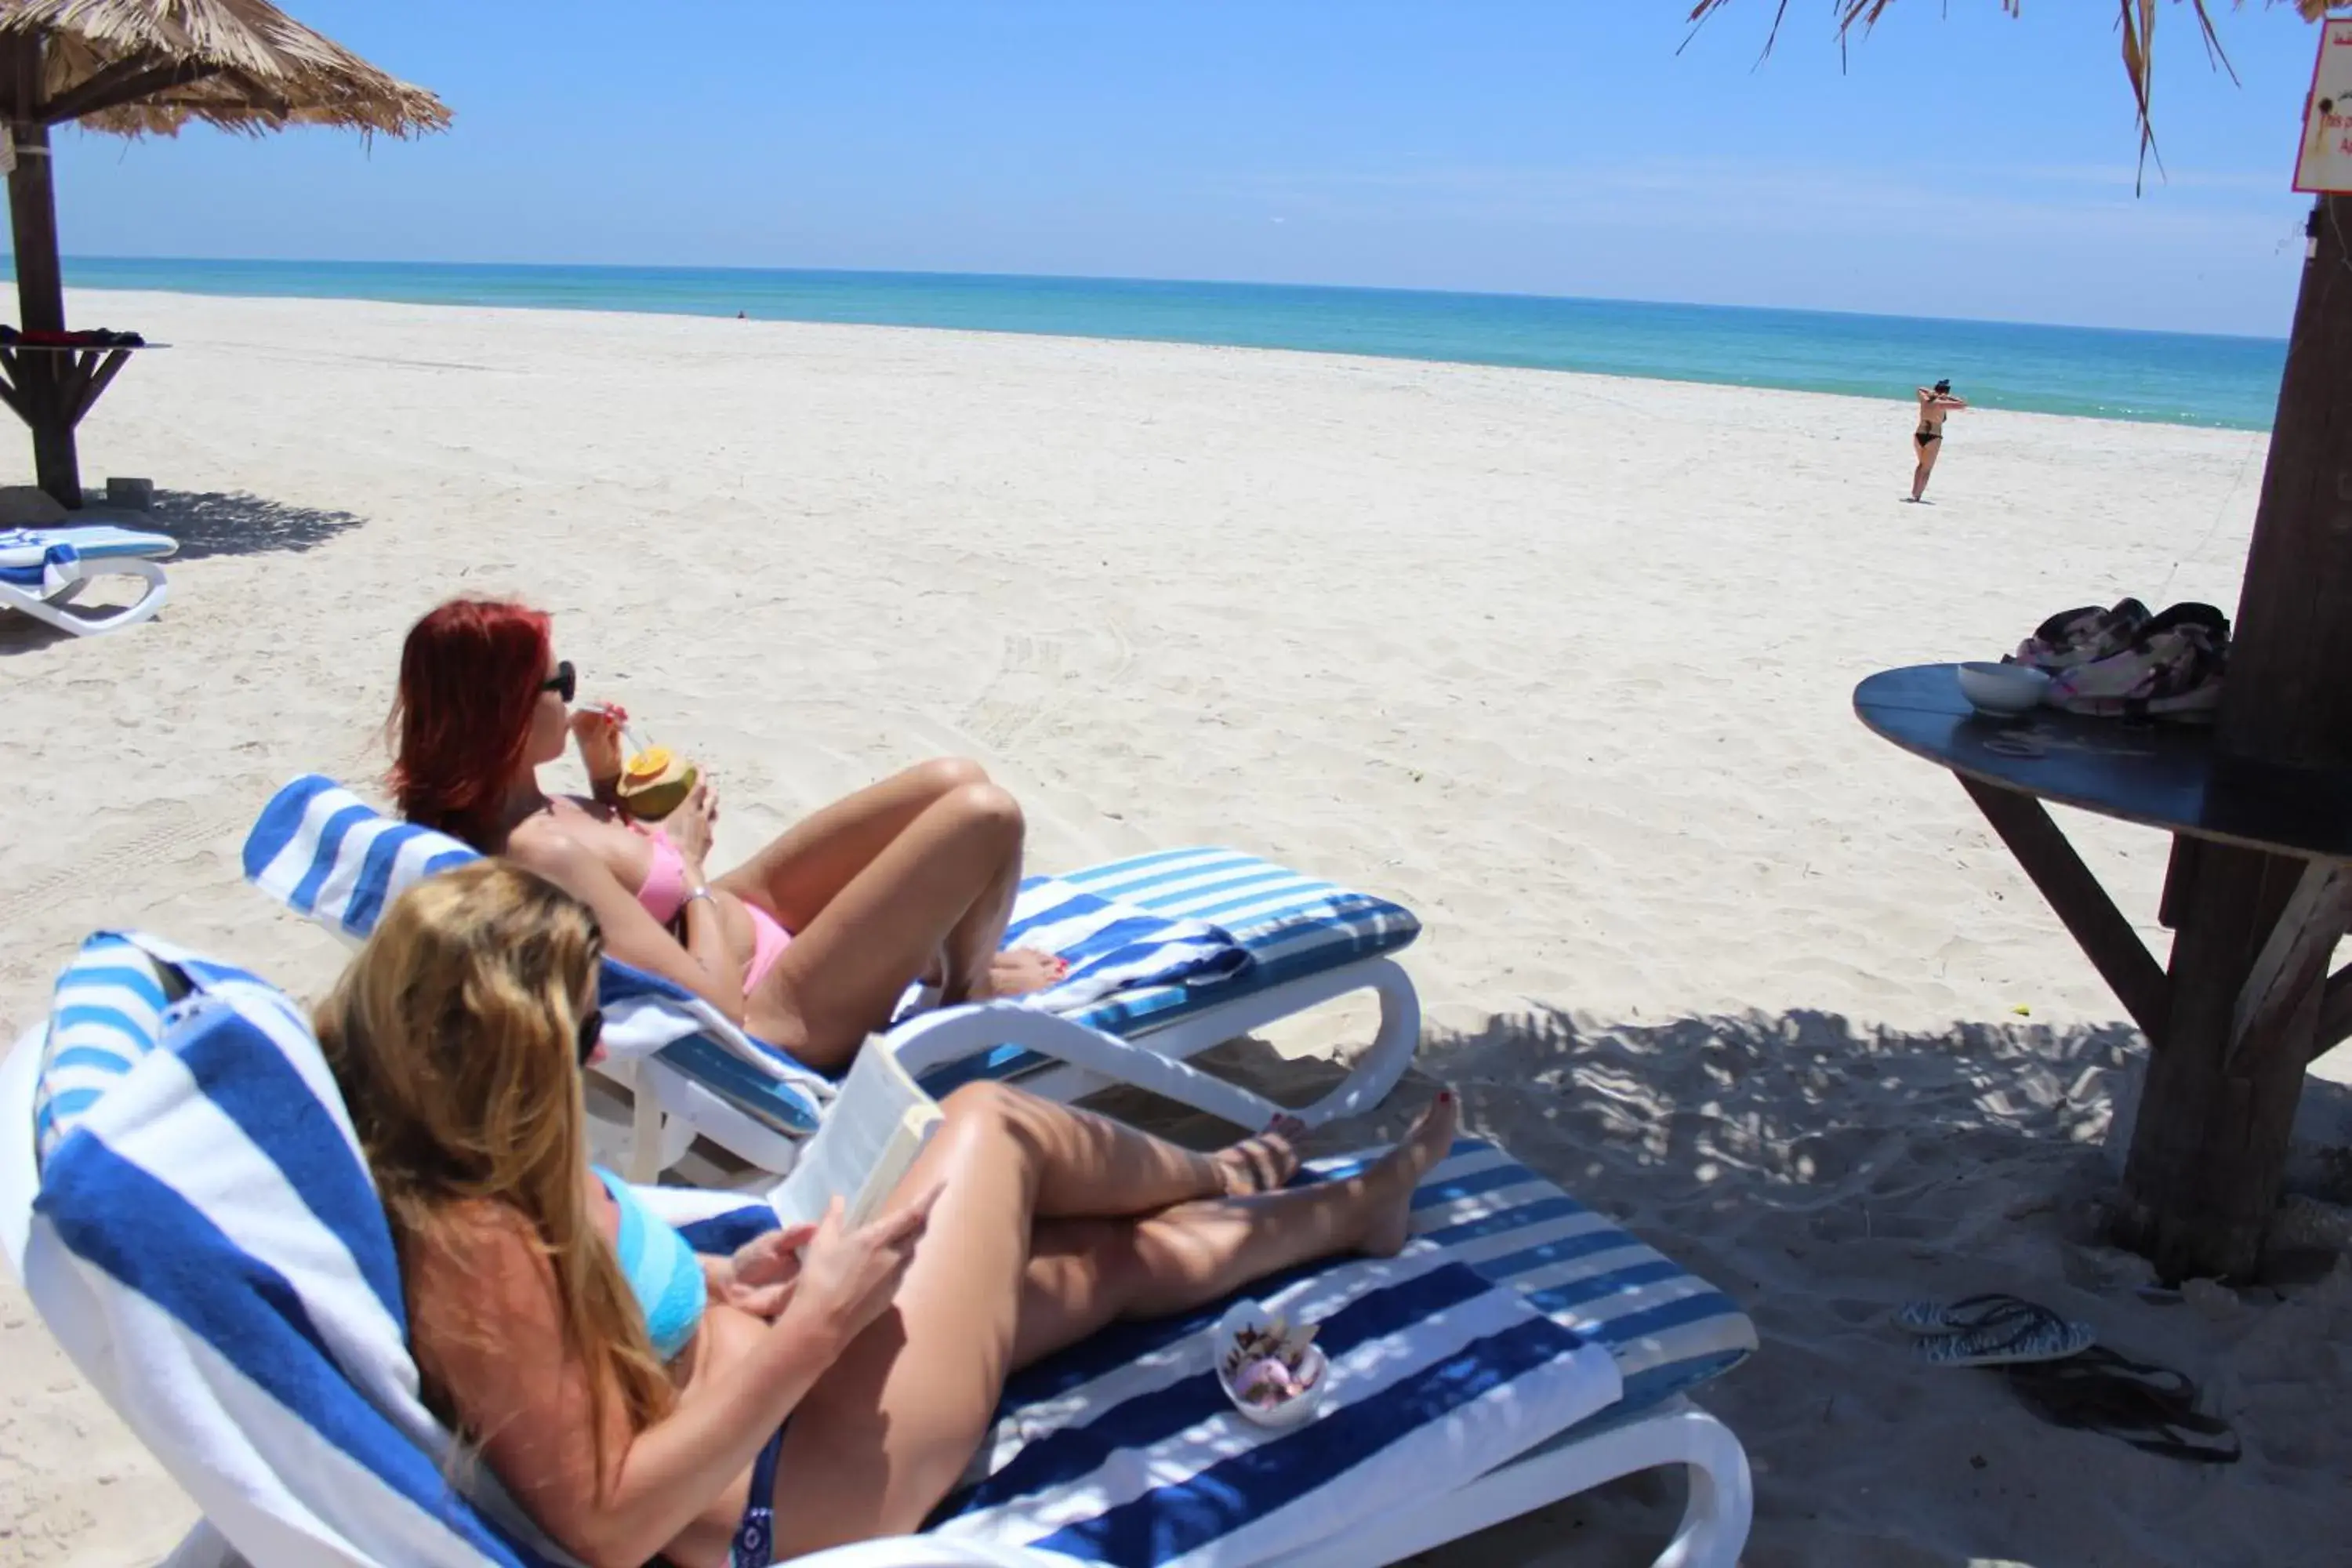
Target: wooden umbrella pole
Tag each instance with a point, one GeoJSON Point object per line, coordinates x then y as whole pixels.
{"type": "Point", "coordinates": [40, 285]}
{"type": "Point", "coordinates": [2226, 1070]}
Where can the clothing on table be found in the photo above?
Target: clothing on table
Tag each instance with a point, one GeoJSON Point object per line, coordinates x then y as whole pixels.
{"type": "Point", "coordinates": [663, 894]}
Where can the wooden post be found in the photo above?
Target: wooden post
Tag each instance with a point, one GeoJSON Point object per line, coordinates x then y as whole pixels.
{"type": "Point", "coordinates": [2209, 1146]}
{"type": "Point", "coordinates": [40, 285]}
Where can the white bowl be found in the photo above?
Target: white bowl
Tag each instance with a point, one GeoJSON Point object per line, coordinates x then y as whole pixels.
{"type": "Point", "coordinates": [2003, 688]}
{"type": "Point", "coordinates": [1313, 1367]}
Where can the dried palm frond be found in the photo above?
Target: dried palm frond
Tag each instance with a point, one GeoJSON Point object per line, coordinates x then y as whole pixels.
{"type": "Point", "coordinates": [2138, 19]}
{"type": "Point", "coordinates": [133, 67]}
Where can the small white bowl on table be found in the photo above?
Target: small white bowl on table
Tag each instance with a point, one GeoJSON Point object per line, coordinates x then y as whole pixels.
{"type": "Point", "coordinates": [2002, 690]}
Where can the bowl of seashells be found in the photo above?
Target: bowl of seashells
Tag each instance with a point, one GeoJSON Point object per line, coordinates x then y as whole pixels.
{"type": "Point", "coordinates": [1272, 1372]}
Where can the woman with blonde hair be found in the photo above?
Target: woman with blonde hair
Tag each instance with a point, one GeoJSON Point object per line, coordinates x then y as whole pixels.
{"type": "Point", "coordinates": [822, 1386]}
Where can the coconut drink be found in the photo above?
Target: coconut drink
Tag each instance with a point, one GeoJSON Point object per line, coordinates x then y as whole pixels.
{"type": "Point", "coordinates": [655, 782]}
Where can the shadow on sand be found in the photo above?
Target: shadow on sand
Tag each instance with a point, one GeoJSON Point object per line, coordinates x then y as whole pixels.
{"type": "Point", "coordinates": [207, 523]}
{"type": "Point", "coordinates": [1820, 1172]}
{"type": "Point", "coordinates": [222, 522]}
{"type": "Point", "coordinates": [1799, 1161]}
{"type": "Point", "coordinates": [1786, 1103]}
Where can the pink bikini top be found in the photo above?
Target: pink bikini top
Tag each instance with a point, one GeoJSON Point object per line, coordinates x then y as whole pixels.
{"type": "Point", "coordinates": [663, 892]}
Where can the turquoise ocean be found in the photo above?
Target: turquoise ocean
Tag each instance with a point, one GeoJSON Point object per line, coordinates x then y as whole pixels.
{"type": "Point", "coordinates": [2167, 377]}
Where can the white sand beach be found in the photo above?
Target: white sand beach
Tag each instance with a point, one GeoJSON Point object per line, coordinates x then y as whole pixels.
{"type": "Point", "coordinates": [1561, 662]}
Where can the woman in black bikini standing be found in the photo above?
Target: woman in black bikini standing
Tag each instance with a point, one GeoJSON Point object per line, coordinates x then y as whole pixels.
{"type": "Point", "coordinates": [1935, 404]}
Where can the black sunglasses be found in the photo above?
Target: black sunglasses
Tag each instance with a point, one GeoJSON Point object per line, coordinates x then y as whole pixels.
{"type": "Point", "coordinates": [564, 682]}
{"type": "Point", "coordinates": [591, 1033]}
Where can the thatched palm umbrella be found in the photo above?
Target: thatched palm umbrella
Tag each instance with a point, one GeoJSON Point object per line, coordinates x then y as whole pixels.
{"type": "Point", "coordinates": [136, 67]}
{"type": "Point", "coordinates": [2247, 1001]}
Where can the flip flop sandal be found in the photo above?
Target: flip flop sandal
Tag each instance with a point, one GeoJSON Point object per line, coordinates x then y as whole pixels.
{"type": "Point", "coordinates": [1967, 1312]}
{"type": "Point", "coordinates": [2104, 1367]}
{"type": "Point", "coordinates": [2069, 627]}
{"type": "Point", "coordinates": [2073, 638]}
{"type": "Point", "coordinates": [2041, 1335]}
{"type": "Point", "coordinates": [2207, 618]}
{"type": "Point", "coordinates": [2185, 689]}
{"type": "Point", "coordinates": [2171, 673]}
{"type": "Point", "coordinates": [2153, 1408]}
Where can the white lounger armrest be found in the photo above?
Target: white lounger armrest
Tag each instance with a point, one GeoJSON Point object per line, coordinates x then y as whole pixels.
{"type": "Point", "coordinates": [951, 1034]}
{"type": "Point", "coordinates": [1157, 1062]}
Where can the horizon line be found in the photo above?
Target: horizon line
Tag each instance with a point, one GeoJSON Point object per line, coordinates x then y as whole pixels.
{"type": "Point", "coordinates": [7, 255]}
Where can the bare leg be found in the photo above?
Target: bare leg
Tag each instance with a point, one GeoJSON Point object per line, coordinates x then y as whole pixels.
{"type": "Point", "coordinates": [973, 969]}
{"type": "Point", "coordinates": [799, 872]}
{"type": "Point", "coordinates": [1086, 1274]}
{"type": "Point", "coordinates": [888, 1428]}
{"type": "Point", "coordinates": [934, 887]}
{"type": "Point", "coordinates": [1927, 466]}
{"type": "Point", "coordinates": [1090, 1167]}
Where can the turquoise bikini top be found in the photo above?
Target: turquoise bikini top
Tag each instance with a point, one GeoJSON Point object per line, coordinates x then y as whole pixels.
{"type": "Point", "coordinates": [662, 1270]}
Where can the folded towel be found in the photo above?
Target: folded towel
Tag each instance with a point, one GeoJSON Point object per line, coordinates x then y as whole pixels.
{"type": "Point", "coordinates": [57, 566]}
{"type": "Point", "coordinates": [1112, 945]}
{"type": "Point", "coordinates": [54, 556]}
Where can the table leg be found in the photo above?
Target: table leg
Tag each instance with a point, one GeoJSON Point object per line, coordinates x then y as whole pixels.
{"type": "Point", "coordinates": [2179, 882]}
{"type": "Point", "coordinates": [73, 375]}
{"type": "Point", "coordinates": [56, 464]}
{"type": "Point", "coordinates": [2334, 1013]}
{"type": "Point", "coordinates": [2293, 963]}
{"type": "Point", "coordinates": [106, 372]}
{"type": "Point", "coordinates": [2217, 1107]}
{"type": "Point", "coordinates": [2105, 936]}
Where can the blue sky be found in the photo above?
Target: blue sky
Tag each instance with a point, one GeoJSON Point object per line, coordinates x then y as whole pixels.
{"type": "Point", "coordinates": [1966, 165]}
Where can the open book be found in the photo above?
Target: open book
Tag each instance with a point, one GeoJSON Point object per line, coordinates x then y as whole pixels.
{"type": "Point", "coordinates": [870, 1136]}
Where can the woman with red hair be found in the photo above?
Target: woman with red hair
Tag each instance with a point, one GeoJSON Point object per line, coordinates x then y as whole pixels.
{"type": "Point", "coordinates": [808, 944]}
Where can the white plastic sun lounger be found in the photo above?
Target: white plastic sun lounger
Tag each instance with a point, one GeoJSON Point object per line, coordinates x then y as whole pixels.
{"type": "Point", "coordinates": [44, 570]}
{"type": "Point", "coordinates": [196, 1228]}
{"type": "Point", "coordinates": [327, 855]}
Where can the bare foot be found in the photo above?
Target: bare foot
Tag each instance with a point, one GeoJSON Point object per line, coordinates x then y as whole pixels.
{"type": "Point", "coordinates": [1017, 972]}
{"type": "Point", "coordinates": [1260, 1164]}
{"type": "Point", "coordinates": [1389, 1185]}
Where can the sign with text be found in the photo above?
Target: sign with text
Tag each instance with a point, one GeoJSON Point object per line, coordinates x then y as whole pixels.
{"type": "Point", "coordinates": [2326, 163]}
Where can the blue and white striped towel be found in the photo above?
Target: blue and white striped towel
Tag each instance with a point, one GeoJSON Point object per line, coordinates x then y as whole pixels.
{"type": "Point", "coordinates": [207, 1246]}
{"type": "Point", "coordinates": [49, 558]}
{"type": "Point", "coordinates": [48, 573]}
{"type": "Point", "coordinates": [325, 853]}
{"type": "Point", "coordinates": [1124, 1449]}
{"type": "Point", "coordinates": [1112, 945]}
{"type": "Point", "coordinates": [209, 1250]}
{"type": "Point", "coordinates": [105, 1013]}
